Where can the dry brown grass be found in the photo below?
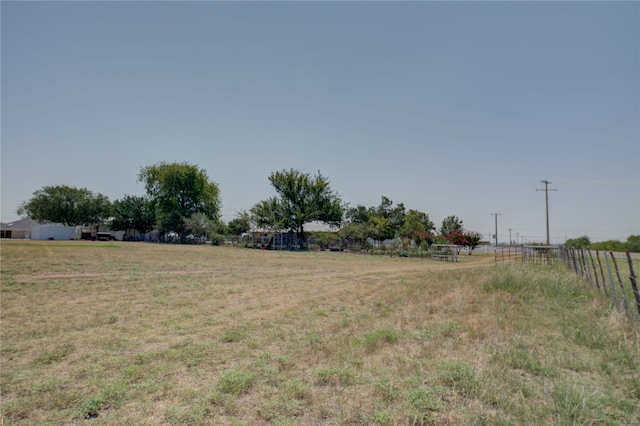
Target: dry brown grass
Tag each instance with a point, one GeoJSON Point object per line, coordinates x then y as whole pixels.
{"type": "Point", "coordinates": [132, 333]}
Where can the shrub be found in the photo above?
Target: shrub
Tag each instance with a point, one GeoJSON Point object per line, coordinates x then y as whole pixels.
{"type": "Point", "coordinates": [90, 407]}
{"type": "Point", "coordinates": [217, 240]}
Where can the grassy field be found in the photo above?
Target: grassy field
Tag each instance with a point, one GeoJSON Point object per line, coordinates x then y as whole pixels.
{"type": "Point", "coordinates": [147, 334]}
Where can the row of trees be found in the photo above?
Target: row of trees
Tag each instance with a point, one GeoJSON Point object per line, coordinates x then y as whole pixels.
{"type": "Point", "coordinates": [632, 244]}
{"type": "Point", "coordinates": [388, 221]}
{"type": "Point", "coordinates": [181, 198]}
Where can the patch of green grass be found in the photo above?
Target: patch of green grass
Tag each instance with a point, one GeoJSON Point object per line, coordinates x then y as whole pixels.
{"type": "Point", "coordinates": [507, 279]}
{"type": "Point", "coordinates": [459, 375]}
{"type": "Point", "coordinates": [522, 355]}
{"type": "Point", "coordinates": [280, 407]}
{"type": "Point", "coordinates": [234, 334]}
{"type": "Point", "coordinates": [386, 390]}
{"type": "Point", "coordinates": [422, 402]}
{"type": "Point", "coordinates": [382, 309]}
{"type": "Point", "coordinates": [17, 409]}
{"type": "Point", "coordinates": [235, 382]}
{"type": "Point", "coordinates": [376, 338]}
{"type": "Point", "coordinates": [570, 405]}
{"type": "Point", "coordinates": [55, 355]}
{"type": "Point", "coordinates": [383, 417]}
{"type": "Point", "coordinates": [284, 362]}
{"type": "Point", "coordinates": [297, 389]}
{"type": "Point", "coordinates": [91, 407]}
{"type": "Point", "coordinates": [449, 328]}
{"type": "Point", "coordinates": [114, 391]}
{"type": "Point", "coordinates": [320, 313]}
{"type": "Point", "coordinates": [109, 245]}
{"type": "Point", "coordinates": [226, 403]}
{"type": "Point", "coordinates": [193, 415]}
{"type": "Point", "coordinates": [192, 354]}
{"type": "Point", "coordinates": [313, 338]}
{"type": "Point", "coordinates": [334, 376]}
{"type": "Point", "coordinates": [592, 334]}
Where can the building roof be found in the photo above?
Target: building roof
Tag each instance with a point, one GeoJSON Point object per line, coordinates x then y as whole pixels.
{"type": "Point", "coordinates": [21, 224]}
{"type": "Point", "coordinates": [26, 224]}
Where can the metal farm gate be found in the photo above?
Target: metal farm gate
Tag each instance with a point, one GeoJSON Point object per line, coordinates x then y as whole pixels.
{"type": "Point", "coordinates": [527, 254]}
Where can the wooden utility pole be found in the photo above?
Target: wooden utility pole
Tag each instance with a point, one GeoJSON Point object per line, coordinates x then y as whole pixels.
{"type": "Point", "coordinates": [546, 193]}
{"type": "Point", "coordinates": [496, 215]}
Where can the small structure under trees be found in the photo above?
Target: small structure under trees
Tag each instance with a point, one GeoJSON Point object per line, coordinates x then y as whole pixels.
{"type": "Point", "coordinates": [540, 254]}
{"type": "Point", "coordinates": [445, 252]}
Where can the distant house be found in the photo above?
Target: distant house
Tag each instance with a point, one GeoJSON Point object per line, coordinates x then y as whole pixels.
{"type": "Point", "coordinates": [29, 229]}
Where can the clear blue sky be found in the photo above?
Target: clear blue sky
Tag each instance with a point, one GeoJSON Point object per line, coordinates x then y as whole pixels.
{"type": "Point", "coordinates": [453, 108]}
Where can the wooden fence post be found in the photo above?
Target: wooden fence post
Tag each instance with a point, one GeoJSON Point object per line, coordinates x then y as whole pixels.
{"type": "Point", "coordinates": [587, 267]}
{"type": "Point", "coordinates": [634, 284]}
{"type": "Point", "coordinates": [624, 296]}
{"type": "Point", "coordinates": [604, 281]}
{"type": "Point", "coordinates": [580, 262]}
{"type": "Point", "coordinates": [613, 287]}
{"type": "Point", "coordinates": [595, 272]}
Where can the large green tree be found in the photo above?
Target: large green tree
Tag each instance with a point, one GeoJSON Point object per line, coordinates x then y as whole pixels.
{"type": "Point", "coordinates": [239, 224]}
{"type": "Point", "coordinates": [302, 198]}
{"type": "Point", "coordinates": [633, 243]}
{"type": "Point", "coordinates": [358, 214]}
{"type": "Point", "coordinates": [355, 234]}
{"type": "Point", "coordinates": [416, 223]}
{"type": "Point", "coordinates": [449, 224]}
{"type": "Point", "coordinates": [383, 221]}
{"type": "Point", "coordinates": [68, 205]}
{"type": "Point", "coordinates": [133, 213]}
{"type": "Point", "coordinates": [395, 214]}
{"type": "Point", "coordinates": [201, 228]}
{"type": "Point", "coordinates": [381, 228]}
{"type": "Point", "coordinates": [178, 191]}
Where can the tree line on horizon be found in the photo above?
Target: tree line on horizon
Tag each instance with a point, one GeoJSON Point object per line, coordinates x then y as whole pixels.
{"type": "Point", "coordinates": [180, 198]}
{"type": "Point", "coordinates": [632, 244]}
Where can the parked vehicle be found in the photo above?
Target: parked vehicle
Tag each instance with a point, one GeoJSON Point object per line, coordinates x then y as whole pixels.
{"type": "Point", "coordinates": [104, 236]}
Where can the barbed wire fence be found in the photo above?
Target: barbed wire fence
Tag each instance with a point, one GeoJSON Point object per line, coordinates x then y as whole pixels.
{"type": "Point", "coordinates": [605, 271]}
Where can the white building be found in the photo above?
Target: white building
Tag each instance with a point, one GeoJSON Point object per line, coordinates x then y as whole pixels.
{"type": "Point", "coordinates": [30, 229]}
